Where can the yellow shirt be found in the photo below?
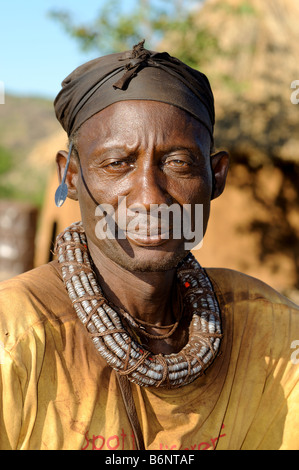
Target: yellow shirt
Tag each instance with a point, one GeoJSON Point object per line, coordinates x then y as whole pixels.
{"type": "Point", "coordinates": [58, 393]}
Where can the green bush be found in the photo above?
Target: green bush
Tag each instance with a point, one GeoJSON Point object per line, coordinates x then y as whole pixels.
{"type": "Point", "coordinates": [6, 160]}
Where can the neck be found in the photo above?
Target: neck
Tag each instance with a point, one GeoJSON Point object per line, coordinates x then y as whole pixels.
{"type": "Point", "coordinates": [147, 296]}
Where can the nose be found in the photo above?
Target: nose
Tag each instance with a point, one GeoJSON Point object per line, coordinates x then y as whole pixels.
{"type": "Point", "coordinates": [149, 186]}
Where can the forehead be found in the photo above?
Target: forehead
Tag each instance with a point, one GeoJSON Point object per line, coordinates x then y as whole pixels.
{"type": "Point", "coordinates": [125, 122]}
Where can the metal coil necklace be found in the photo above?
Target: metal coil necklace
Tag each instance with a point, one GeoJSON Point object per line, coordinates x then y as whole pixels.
{"type": "Point", "coordinates": [113, 341]}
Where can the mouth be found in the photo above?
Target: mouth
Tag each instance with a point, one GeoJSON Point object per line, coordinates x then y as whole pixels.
{"type": "Point", "coordinates": [145, 239]}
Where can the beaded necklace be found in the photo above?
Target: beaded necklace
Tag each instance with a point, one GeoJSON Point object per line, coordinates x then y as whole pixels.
{"type": "Point", "coordinates": [112, 340]}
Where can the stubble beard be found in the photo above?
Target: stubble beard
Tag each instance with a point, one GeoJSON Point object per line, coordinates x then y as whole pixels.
{"type": "Point", "coordinates": [164, 263]}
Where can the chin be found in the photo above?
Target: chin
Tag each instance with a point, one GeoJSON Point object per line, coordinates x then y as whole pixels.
{"type": "Point", "coordinates": [148, 260]}
{"type": "Point", "coordinates": [155, 265]}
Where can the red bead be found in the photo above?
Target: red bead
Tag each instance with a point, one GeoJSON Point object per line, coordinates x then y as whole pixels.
{"type": "Point", "coordinates": [187, 284]}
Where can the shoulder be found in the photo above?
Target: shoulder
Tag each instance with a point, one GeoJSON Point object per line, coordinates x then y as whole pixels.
{"type": "Point", "coordinates": [256, 312]}
{"type": "Point", "coordinates": [31, 299]}
{"type": "Point", "coordinates": [260, 345]}
{"type": "Point", "coordinates": [235, 287]}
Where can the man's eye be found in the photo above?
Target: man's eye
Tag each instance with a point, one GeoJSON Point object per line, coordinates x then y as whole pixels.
{"type": "Point", "coordinates": [176, 163]}
{"type": "Point", "coordinates": [119, 164]}
{"type": "Point", "coordinates": [116, 164]}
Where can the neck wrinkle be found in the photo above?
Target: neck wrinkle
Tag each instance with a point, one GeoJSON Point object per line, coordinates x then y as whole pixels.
{"type": "Point", "coordinates": [147, 296]}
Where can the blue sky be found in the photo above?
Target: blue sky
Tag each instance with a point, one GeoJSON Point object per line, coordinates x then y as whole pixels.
{"type": "Point", "coordinates": [35, 52]}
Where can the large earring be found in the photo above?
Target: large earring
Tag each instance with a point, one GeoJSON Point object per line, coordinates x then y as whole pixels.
{"type": "Point", "coordinates": [62, 190]}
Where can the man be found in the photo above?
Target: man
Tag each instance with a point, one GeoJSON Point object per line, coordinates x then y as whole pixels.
{"type": "Point", "coordinates": [124, 341]}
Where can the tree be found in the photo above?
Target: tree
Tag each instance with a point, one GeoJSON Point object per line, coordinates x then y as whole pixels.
{"type": "Point", "coordinates": [116, 28]}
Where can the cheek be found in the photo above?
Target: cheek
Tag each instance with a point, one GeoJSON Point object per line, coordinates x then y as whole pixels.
{"type": "Point", "coordinates": [198, 192]}
{"type": "Point", "coordinates": [93, 191]}
{"type": "Point", "coordinates": [88, 201]}
{"type": "Point", "coordinates": [194, 190]}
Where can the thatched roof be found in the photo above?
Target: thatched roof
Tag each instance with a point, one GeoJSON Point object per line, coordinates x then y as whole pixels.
{"type": "Point", "coordinates": [251, 67]}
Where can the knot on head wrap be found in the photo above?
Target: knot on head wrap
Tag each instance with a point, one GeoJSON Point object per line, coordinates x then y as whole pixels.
{"type": "Point", "coordinates": [139, 74]}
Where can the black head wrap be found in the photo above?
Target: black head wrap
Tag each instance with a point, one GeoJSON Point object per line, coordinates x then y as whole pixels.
{"type": "Point", "coordinates": [133, 75]}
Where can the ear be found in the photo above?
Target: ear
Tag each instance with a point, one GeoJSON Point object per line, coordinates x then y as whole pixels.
{"type": "Point", "coordinates": [72, 173]}
{"type": "Point", "coordinates": [219, 165]}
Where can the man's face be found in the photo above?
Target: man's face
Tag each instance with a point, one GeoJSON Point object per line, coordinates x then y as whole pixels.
{"type": "Point", "coordinates": [150, 153]}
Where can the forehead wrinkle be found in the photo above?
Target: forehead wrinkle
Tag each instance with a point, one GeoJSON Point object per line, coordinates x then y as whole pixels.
{"type": "Point", "coordinates": [140, 126]}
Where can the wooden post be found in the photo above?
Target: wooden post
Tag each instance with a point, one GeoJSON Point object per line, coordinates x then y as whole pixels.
{"type": "Point", "coordinates": [18, 223]}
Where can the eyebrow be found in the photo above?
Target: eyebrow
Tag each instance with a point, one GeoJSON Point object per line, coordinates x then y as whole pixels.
{"type": "Point", "coordinates": [102, 152]}
{"type": "Point", "coordinates": [194, 151]}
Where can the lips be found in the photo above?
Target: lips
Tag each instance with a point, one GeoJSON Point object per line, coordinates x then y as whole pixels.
{"type": "Point", "coordinates": [146, 238]}
{"type": "Point", "coordinates": [155, 240]}
{"type": "Point", "coordinates": [145, 228]}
